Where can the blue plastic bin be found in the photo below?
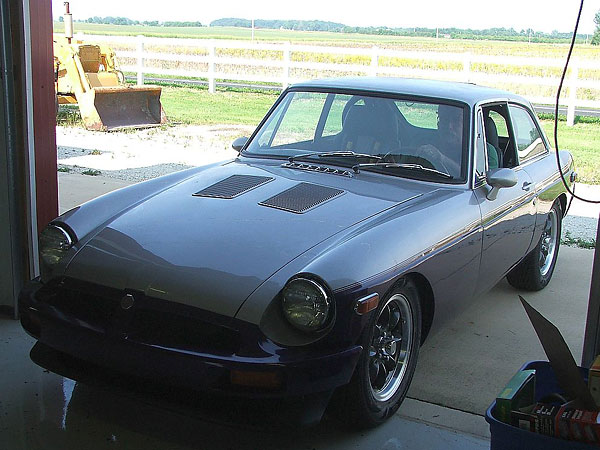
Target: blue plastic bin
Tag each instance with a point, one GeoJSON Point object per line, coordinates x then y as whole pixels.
{"type": "Point", "coordinates": [507, 437]}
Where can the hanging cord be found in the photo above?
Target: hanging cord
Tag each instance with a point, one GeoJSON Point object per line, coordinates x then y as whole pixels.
{"type": "Point", "coordinates": [562, 79]}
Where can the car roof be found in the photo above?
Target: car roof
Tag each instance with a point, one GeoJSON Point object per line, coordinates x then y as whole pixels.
{"type": "Point", "coordinates": [463, 92]}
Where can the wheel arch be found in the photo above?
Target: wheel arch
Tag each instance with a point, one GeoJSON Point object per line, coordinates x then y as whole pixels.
{"type": "Point", "coordinates": [427, 300]}
{"type": "Point", "coordinates": [562, 199]}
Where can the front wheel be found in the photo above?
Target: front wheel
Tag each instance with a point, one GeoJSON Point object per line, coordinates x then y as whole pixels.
{"type": "Point", "coordinates": [536, 269]}
{"type": "Point", "coordinates": [386, 366]}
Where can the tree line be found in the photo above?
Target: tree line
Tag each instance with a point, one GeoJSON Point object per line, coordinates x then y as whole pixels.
{"type": "Point", "coordinates": [297, 25]}
{"type": "Point", "coordinates": [109, 20]}
{"type": "Point", "coordinates": [507, 34]}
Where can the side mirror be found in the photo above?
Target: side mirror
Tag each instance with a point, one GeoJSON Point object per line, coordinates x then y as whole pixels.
{"type": "Point", "coordinates": [239, 143]}
{"type": "Point", "coordinates": [500, 178]}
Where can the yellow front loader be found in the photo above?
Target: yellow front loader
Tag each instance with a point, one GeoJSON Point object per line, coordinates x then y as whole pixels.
{"type": "Point", "coordinates": [87, 75]}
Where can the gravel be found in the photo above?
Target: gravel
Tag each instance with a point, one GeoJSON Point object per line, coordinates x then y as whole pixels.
{"type": "Point", "coordinates": [579, 228]}
{"type": "Point", "coordinates": [139, 155]}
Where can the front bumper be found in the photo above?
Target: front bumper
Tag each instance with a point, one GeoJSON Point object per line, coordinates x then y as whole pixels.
{"type": "Point", "coordinates": [119, 345]}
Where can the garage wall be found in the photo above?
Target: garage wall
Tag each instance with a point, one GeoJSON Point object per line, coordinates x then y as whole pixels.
{"type": "Point", "coordinates": [14, 235]}
{"type": "Point", "coordinates": [6, 266]}
{"type": "Point", "coordinates": [44, 110]}
{"type": "Point", "coordinates": [28, 178]}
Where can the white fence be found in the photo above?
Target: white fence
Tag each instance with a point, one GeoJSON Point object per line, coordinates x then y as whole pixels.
{"type": "Point", "coordinates": [284, 65]}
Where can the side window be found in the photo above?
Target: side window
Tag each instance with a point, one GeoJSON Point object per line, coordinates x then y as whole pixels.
{"type": "Point", "coordinates": [500, 124]}
{"type": "Point", "coordinates": [498, 135]}
{"type": "Point", "coordinates": [480, 157]}
{"type": "Point", "coordinates": [527, 135]}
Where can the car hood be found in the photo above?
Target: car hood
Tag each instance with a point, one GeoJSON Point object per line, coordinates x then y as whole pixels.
{"type": "Point", "coordinates": [213, 252]}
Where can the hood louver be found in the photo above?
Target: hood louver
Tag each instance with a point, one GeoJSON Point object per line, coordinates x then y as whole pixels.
{"type": "Point", "coordinates": [301, 198]}
{"type": "Point", "coordinates": [233, 186]}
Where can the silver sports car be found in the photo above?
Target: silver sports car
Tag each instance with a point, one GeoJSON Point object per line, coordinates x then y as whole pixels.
{"type": "Point", "coordinates": [315, 263]}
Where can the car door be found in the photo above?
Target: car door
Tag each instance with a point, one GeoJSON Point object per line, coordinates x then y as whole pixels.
{"type": "Point", "coordinates": [508, 221]}
{"type": "Point", "coordinates": [536, 159]}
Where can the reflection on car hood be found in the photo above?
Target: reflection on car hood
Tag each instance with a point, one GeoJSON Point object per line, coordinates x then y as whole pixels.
{"type": "Point", "coordinates": [214, 252]}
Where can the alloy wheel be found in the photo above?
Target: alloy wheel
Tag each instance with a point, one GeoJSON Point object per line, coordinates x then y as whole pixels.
{"type": "Point", "coordinates": [548, 242]}
{"type": "Point", "coordinates": [390, 347]}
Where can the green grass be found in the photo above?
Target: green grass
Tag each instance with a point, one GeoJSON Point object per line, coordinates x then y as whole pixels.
{"type": "Point", "coordinates": [198, 106]}
{"type": "Point", "coordinates": [583, 141]}
{"type": "Point", "coordinates": [92, 172]}
{"type": "Point", "coordinates": [568, 239]}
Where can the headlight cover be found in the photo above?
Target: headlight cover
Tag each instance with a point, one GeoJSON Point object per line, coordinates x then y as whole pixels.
{"type": "Point", "coordinates": [306, 304]}
{"type": "Point", "coordinates": [54, 242]}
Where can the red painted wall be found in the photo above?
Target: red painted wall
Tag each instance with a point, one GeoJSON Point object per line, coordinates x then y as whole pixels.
{"type": "Point", "coordinates": [44, 111]}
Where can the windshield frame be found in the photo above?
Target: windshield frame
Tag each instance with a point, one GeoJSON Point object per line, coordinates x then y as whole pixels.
{"type": "Point", "coordinates": [466, 138]}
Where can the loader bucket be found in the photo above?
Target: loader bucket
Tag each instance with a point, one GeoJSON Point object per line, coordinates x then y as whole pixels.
{"type": "Point", "coordinates": [110, 108]}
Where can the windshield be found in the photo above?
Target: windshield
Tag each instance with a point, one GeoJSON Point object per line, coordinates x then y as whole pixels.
{"type": "Point", "coordinates": [347, 130]}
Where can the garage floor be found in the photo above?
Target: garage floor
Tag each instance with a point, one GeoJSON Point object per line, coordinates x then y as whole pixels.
{"type": "Point", "coordinates": [41, 410]}
{"type": "Point", "coordinates": [462, 366]}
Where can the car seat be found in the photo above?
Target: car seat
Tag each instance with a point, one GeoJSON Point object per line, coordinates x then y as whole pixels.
{"type": "Point", "coordinates": [491, 137]}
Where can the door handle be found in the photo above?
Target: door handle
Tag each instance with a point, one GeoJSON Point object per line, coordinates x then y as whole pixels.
{"type": "Point", "coordinates": [526, 186]}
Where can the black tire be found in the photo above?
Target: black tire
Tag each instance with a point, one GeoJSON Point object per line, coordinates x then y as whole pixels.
{"type": "Point", "coordinates": [369, 399]}
{"type": "Point", "coordinates": [536, 269]}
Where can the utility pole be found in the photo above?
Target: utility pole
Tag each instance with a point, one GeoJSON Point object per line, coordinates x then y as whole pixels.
{"type": "Point", "coordinates": [252, 29]}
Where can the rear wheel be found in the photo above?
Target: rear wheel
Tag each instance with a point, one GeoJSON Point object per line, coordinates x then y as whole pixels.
{"type": "Point", "coordinates": [386, 366]}
{"type": "Point", "coordinates": [536, 269]}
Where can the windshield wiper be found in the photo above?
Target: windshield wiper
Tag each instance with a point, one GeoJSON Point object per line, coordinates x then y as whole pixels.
{"type": "Point", "coordinates": [417, 167]}
{"type": "Point", "coordinates": [339, 154]}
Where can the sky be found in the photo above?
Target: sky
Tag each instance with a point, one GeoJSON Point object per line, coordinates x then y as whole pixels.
{"type": "Point", "coordinates": [541, 15]}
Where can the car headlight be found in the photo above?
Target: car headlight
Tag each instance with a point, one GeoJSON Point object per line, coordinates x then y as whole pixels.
{"type": "Point", "coordinates": [54, 242]}
{"type": "Point", "coordinates": [306, 304]}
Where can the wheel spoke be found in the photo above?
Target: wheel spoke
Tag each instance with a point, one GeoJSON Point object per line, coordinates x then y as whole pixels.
{"type": "Point", "coordinates": [394, 319]}
{"type": "Point", "coordinates": [377, 332]}
{"type": "Point", "coordinates": [384, 319]}
{"type": "Point", "coordinates": [382, 376]}
{"type": "Point", "coordinates": [389, 362]}
{"type": "Point", "coordinates": [373, 370]}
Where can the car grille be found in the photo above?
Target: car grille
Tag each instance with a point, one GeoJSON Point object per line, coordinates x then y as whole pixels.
{"type": "Point", "coordinates": [301, 197]}
{"type": "Point", "coordinates": [150, 321]}
{"type": "Point", "coordinates": [91, 305]}
{"type": "Point", "coordinates": [233, 186]}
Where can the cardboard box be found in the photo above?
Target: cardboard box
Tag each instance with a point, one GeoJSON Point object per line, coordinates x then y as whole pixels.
{"type": "Point", "coordinates": [578, 425]}
{"type": "Point", "coordinates": [524, 419]}
{"type": "Point", "coordinates": [594, 380]}
{"type": "Point", "coordinates": [519, 392]}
